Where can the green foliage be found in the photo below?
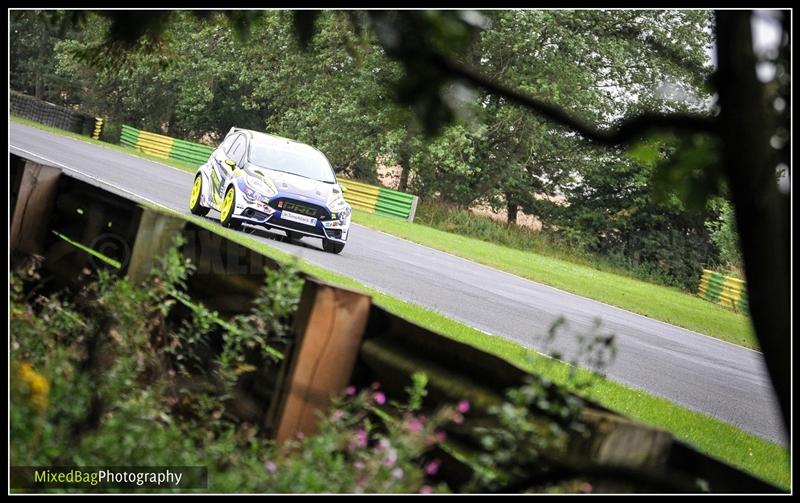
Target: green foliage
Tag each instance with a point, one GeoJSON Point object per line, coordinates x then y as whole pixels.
{"type": "Point", "coordinates": [33, 35]}
{"type": "Point", "coordinates": [692, 170]}
{"type": "Point", "coordinates": [117, 374]}
{"type": "Point", "coordinates": [571, 241]}
{"type": "Point", "coordinates": [110, 377]}
{"type": "Point", "coordinates": [363, 448]}
{"type": "Point", "coordinates": [612, 211]}
{"type": "Point", "coordinates": [531, 432]}
{"type": "Point", "coordinates": [725, 236]}
{"type": "Point", "coordinates": [533, 426]}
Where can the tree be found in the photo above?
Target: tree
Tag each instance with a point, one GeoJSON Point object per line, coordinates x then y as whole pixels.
{"type": "Point", "coordinates": [748, 161]}
{"type": "Point", "coordinates": [332, 96]}
{"type": "Point", "coordinates": [32, 38]}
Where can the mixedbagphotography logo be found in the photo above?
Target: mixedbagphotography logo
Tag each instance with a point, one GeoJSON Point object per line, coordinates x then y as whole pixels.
{"type": "Point", "coordinates": [109, 477]}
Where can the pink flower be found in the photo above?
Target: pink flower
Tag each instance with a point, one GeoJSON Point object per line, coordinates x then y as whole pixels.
{"type": "Point", "coordinates": [358, 465]}
{"type": "Point", "coordinates": [270, 466]}
{"type": "Point", "coordinates": [338, 414]}
{"type": "Point", "coordinates": [391, 458]}
{"type": "Point", "coordinates": [361, 438]}
{"type": "Point", "coordinates": [463, 406]}
{"type": "Point", "coordinates": [458, 418]}
{"type": "Point", "coordinates": [380, 398]}
{"type": "Point", "coordinates": [414, 425]}
{"type": "Point", "coordinates": [350, 390]}
{"type": "Point", "coordinates": [432, 467]}
{"type": "Point", "coordinates": [425, 490]}
{"type": "Point", "coordinates": [441, 436]}
{"type": "Point", "coordinates": [383, 443]}
{"type": "Point", "coordinates": [397, 473]}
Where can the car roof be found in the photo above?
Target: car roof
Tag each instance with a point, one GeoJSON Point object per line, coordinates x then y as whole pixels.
{"type": "Point", "coordinates": [275, 140]}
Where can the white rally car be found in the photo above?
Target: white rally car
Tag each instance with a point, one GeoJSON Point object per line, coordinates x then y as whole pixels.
{"type": "Point", "coordinates": [265, 180]}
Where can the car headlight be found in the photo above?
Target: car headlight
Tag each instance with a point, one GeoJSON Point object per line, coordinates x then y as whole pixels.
{"type": "Point", "coordinates": [336, 202]}
{"type": "Point", "coordinates": [260, 185]}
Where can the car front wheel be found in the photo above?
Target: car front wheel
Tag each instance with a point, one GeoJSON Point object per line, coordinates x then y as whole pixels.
{"type": "Point", "coordinates": [194, 199]}
{"type": "Point", "coordinates": [226, 213]}
{"type": "Point", "coordinates": [332, 246]}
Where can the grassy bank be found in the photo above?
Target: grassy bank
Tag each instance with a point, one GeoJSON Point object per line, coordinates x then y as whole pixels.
{"type": "Point", "coordinates": [455, 220]}
{"type": "Point", "coordinates": [662, 303]}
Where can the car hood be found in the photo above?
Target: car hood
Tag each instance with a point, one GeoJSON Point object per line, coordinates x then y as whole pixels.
{"type": "Point", "coordinates": [299, 185]}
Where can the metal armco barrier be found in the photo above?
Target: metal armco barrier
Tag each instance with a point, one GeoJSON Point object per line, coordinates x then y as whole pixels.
{"type": "Point", "coordinates": [724, 290]}
{"type": "Point", "coordinates": [339, 338]}
{"type": "Point", "coordinates": [165, 147]}
{"type": "Point", "coordinates": [52, 115]}
{"type": "Point", "coordinates": [381, 200]}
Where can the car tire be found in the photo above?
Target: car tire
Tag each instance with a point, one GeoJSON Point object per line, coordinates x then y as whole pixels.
{"type": "Point", "coordinates": [332, 246]}
{"type": "Point", "coordinates": [194, 199]}
{"type": "Point", "coordinates": [226, 212]}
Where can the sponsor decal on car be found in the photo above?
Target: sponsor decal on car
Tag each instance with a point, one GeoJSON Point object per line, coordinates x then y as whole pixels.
{"type": "Point", "coordinates": [301, 219]}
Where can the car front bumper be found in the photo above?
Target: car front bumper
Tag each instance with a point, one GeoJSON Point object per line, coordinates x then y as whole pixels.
{"type": "Point", "coordinates": [265, 214]}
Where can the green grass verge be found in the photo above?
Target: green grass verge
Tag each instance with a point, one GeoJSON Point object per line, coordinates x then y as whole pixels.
{"type": "Point", "coordinates": [185, 166]}
{"type": "Point", "coordinates": [763, 459]}
{"type": "Point", "coordinates": [662, 303]}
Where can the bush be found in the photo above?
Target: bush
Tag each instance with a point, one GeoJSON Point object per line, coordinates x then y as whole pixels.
{"type": "Point", "coordinates": [726, 237]}
{"type": "Point", "coordinates": [114, 377]}
{"type": "Point", "coordinates": [681, 268]}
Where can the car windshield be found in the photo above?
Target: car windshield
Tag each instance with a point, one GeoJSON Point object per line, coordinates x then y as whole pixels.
{"type": "Point", "coordinates": [310, 164]}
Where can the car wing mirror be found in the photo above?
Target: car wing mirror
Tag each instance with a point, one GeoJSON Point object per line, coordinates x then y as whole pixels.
{"type": "Point", "coordinates": [230, 163]}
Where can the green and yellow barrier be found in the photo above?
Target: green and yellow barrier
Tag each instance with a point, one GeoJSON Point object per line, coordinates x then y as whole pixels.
{"type": "Point", "coordinates": [98, 128]}
{"type": "Point", "coordinates": [165, 147]}
{"type": "Point", "coordinates": [381, 200]}
{"type": "Point", "coordinates": [724, 290]}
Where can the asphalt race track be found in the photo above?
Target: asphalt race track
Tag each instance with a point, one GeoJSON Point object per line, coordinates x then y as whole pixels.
{"type": "Point", "coordinates": [701, 373]}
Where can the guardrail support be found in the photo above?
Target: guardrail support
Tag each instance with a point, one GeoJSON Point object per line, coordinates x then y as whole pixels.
{"type": "Point", "coordinates": [34, 204]}
{"type": "Point", "coordinates": [153, 239]}
{"type": "Point", "coordinates": [329, 325]}
{"type": "Point", "coordinates": [413, 210]}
